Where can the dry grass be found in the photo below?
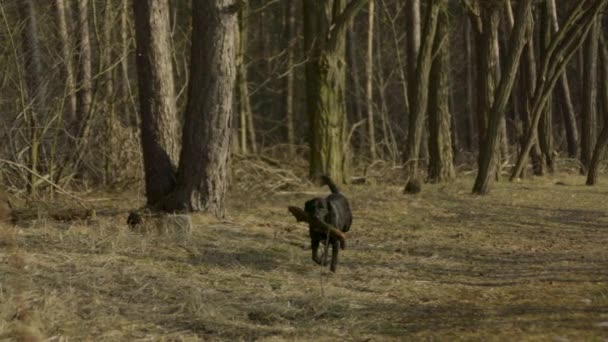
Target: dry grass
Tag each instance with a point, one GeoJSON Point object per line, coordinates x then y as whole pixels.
{"type": "Point", "coordinates": [527, 262]}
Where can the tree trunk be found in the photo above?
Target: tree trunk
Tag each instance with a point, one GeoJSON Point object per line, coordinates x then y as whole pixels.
{"type": "Point", "coordinates": [35, 88]}
{"type": "Point", "coordinates": [159, 128]}
{"type": "Point", "coordinates": [517, 42]}
{"type": "Point", "coordinates": [421, 90]}
{"type": "Point", "coordinates": [567, 108]}
{"type": "Point", "coordinates": [292, 36]}
{"type": "Point", "coordinates": [413, 27]}
{"type": "Point", "coordinates": [545, 128]}
{"type": "Point", "coordinates": [441, 165]}
{"type": "Point", "coordinates": [84, 94]}
{"type": "Point", "coordinates": [242, 94]}
{"type": "Point", "coordinates": [66, 54]}
{"type": "Point", "coordinates": [470, 101]}
{"type": "Point", "coordinates": [110, 102]}
{"type": "Point", "coordinates": [602, 141]}
{"type": "Point", "coordinates": [487, 58]}
{"type": "Point", "coordinates": [590, 82]}
{"type": "Point", "coordinates": [528, 82]}
{"type": "Point", "coordinates": [369, 90]}
{"type": "Point", "coordinates": [204, 161]}
{"type": "Point", "coordinates": [325, 26]}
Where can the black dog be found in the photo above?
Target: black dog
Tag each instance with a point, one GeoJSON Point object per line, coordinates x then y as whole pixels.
{"type": "Point", "coordinates": [334, 210]}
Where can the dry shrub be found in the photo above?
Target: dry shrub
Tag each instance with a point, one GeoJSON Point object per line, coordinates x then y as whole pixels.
{"type": "Point", "coordinates": [123, 151]}
{"type": "Point", "coordinates": [263, 174]}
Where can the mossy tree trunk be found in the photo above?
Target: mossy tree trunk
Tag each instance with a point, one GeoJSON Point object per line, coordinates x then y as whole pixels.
{"type": "Point", "coordinates": [441, 165]}
{"type": "Point", "coordinates": [325, 26]}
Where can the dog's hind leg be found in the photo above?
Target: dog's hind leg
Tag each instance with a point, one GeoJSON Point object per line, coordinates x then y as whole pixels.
{"type": "Point", "coordinates": [335, 249]}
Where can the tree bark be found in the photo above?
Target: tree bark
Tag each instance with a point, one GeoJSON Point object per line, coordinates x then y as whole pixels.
{"type": "Point", "coordinates": [204, 161]}
{"type": "Point", "coordinates": [159, 128]}
{"type": "Point", "coordinates": [441, 165]}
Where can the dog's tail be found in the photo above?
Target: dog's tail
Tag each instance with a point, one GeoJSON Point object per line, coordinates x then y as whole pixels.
{"type": "Point", "coordinates": [326, 180]}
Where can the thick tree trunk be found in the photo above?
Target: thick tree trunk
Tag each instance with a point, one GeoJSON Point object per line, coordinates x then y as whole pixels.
{"type": "Point", "coordinates": [325, 26]}
{"type": "Point", "coordinates": [590, 82]}
{"type": "Point", "coordinates": [517, 42]}
{"type": "Point", "coordinates": [421, 90]}
{"type": "Point", "coordinates": [441, 166]}
{"type": "Point", "coordinates": [159, 127]}
{"type": "Point", "coordinates": [204, 161]}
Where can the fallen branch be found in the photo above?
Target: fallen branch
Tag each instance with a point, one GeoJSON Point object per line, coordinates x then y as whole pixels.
{"type": "Point", "coordinates": [318, 225]}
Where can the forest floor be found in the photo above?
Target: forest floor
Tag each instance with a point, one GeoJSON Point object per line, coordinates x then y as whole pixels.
{"type": "Point", "coordinates": [529, 261]}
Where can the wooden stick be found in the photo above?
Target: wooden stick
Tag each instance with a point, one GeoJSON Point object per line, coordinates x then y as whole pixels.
{"type": "Point", "coordinates": [318, 225]}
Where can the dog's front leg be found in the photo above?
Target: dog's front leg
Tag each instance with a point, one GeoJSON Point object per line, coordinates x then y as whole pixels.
{"type": "Point", "coordinates": [315, 251]}
{"type": "Point", "coordinates": [335, 249]}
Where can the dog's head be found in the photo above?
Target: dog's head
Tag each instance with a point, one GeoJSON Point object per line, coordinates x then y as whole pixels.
{"type": "Point", "coordinates": [317, 207]}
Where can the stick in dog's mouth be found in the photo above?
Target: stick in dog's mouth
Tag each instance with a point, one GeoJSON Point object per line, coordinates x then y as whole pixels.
{"type": "Point", "coordinates": [318, 225]}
